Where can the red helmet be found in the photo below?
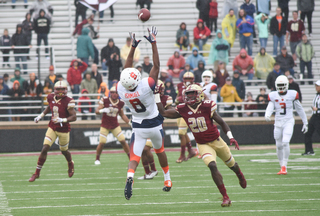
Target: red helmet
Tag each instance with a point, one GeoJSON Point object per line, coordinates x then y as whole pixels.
{"type": "Point", "coordinates": [188, 78]}
{"type": "Point", "coordinates": [193, 94]}
{"type": "Point", "coordinates": [60, 89]}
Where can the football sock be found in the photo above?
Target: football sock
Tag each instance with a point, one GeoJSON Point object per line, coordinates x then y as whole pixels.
{"type": "Point", "coordinates": [223, 190]}
{"type": "Point", "coordinates": [189, 146]}
{"type": "Point", "coordinates": [128, 155]}
{"type": "Point", "coordinates": [166, 173]}
{"type": "Point", "coordinates": [239, 174]}
{"type": "Point", "coordinates": [39, 165]}
{"type": "Point", "coordinates": [152, 165]}
{"type": "Point", "coordinates": [279, 152]}
{"type": "Point", "coordinates": [98, 157]}
{"type": "Point", "coordinates": [130, 173]}
{"type": "Point", "coordinates": [183, 150]}
{"type": "Point", "coordinates": [146, 167]}
{"type": "Point", "coordinates": [286, 153]}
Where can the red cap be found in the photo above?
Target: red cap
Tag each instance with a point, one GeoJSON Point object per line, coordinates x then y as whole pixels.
{"type": "Point", "coordinates": [51, 68]}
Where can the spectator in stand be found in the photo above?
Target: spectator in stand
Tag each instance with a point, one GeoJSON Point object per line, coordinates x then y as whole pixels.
{"type": "Point", "coordinates": [295, 86]}
{"type": "Point", "coordinates": [305, 52]}
{"type": "Point", "coordinates": [262, 21]}
{"type": "Point", "coordinates": [229, 94]}
{"type": "Point", "coordinates": [176, 64]}
{"type": "Point", "coordinates": [42, 28]}
{"type": "Point", "coordinates": [84, 100]}
{"type": "Point", "coordinates": [103, 90]}
{"type": "Point", "coordinates": [14, 1]}
{"type": "Point", "coordinates": [240, 87]}
{"type": "Point", "coordinates": [186, 69]}
{"type": "Point", "coordinates": [27, 28]}
{"type": "Point", "coordinates": [262, 100]}
{"type": "Point", "coordinates": [244, 64]}
{"type": "Point", "coordinates": [16, 93]}
{"type": "Point", "coordinates": [169, 89]}
{"type": "Point", "coordinates": [229, 28]}
{"type": "Point", "coordinates": [182, 37]}
{"type": "Point", "coordinates": [273, 76]}
{"type": "Point", "coordinates": [263, 6]}
{"type": "Point", "coordinates": [198, 73]}
{"type": "Point", "coordinates": [85, 46]}
{"type": "Point", "coordinates": [91, 86]}
{"type": "Point", "coordinates": [306, 7]}
{"type": "Point", "coordinates": [17, 76]}
{"type": "Point", "coordinates": [263, 64]}
{"type": "Point", "coordinates": [229, 5]}
{"type": "Point", "coordinates": [80, 11]}
{"type": "Point", "coordinates": [106, 52]}
{"type": "Point", "coordinates": [4, 90]}
{"type": "Point", "coordinates": [194, 59]}
{"type": "Point", "coordinates": [285, 60]}
{"type": "Point", "coordinates": [5, 40]}
{"type": "Point", "coordinates": [221, 74]}
{"type": "Point", "coordinates": [20, 39]}
{"type": "Point", "coordinates": [7, 81]}
{"type": "Point", "coordinates": [213, 15]}
{"type": "Point", "coordinates": [93, 35]}
{"type": "Point", "coordinates": [44, 5]}
{"type": "Point", "coordinates": [219, 50]}
{"type": "Point", "coordinates": [251, 106]}
{"type": "Point", "coordinates": [95, 74]}
{"type": "Point", "coordinates": [278, 26]}
{"type": "Point", "coordinates": [141, 3]}
{"type": "Point", "coordinates": [201, 34]}
{"type": "Point", "coordinates": [295, 29]}
{"type": "Point", "coordinates": [284, 5]}
{"type": "Point", "coordinates": [47, 89]}
{"type": "Point", "coordinates": [79, 27]}
{"type": "Point", "coordinates": [250, 9]}
{"type": "Point", "coordinates": [146, 65]}
{"type": "Point", "coordinates": [143, 74]}
{"type": "Point", "coordinates": [51, 78]}
{"type": "Point", "coordinates": [114, 65]}
{"type": "Point", "coordinates": [125, 52]}
{"type": "Point", "coordinates": [164, 75]}
{"type": "Point", "coordinates": [203, 8]}
{"type": "Point", "coordinates": [74, 75]}
{"type": "Point", "coordinates": [101, 14]}
{"type": "Point", "coordinates": [244, 25]}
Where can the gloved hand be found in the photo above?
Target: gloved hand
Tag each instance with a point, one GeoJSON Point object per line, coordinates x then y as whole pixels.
{"type": "Point", "coordinates": [57, 120]}
{"type": "Point", "coordinates": [267, 118]}
{"type": "Point", "coordinates": [158, 89]}
{"type": "Point", "coordinates": [37, 119]}
{"type": "Point", "coordinates": [304, 128]}
{"type": "Point", "coordinates": [152, 35]}
{"type": "Point", "coordinates": [134, 41]}
{"type": "Point", "coordinates": [104, 110]}
{"type": "Point", "coordinates": [233, 141]}
{"type": "Point", "coordinates": [130, 123]}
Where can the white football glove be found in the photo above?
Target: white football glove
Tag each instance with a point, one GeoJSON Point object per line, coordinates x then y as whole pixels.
{"type": "Point", "coordinates": [37, 119]}
{"type": "Point", "coordinates": [304, 128]}
{"type": "Point", "coordinates": [57, 120]}
{"type": "Point", "coordinates": [104, 110]}
{"type": "Point", "coordinates": [267, 118]}
{"type": "Point", "coordinates": [130, 123]}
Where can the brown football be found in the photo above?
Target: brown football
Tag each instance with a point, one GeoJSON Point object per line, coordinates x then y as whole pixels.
{"type": "Point", "coordinates": [144, 14]}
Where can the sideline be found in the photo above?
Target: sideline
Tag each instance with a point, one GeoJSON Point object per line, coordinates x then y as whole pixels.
{"type": "Point", "coordinates": [4, 207]}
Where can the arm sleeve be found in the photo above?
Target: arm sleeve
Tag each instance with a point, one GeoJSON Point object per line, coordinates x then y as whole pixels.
{"type": "Point", "coordinates": [300, 111]}
{"type": "Point", "coordinates": [269, 109]}
{"type": "Point", "coordinates": [151, 83]}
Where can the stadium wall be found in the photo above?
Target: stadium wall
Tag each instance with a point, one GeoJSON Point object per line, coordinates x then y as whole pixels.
{"type": "Point", "coordinates": [28, 136]}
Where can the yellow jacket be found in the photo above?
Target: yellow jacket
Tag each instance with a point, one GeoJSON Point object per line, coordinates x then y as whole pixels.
{"type": "Point", "coordinates": [125, 52]}
{"type": "Point", "coordinates": [229, 28]}
{"type": "Point", "coordinates": [228, 96]}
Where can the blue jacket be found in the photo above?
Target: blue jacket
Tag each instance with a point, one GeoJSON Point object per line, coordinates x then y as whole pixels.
{"type": "Point", "coordinates": [193, 60]}
{"type": "Point", "coordinates": [245, 27]}
{"type": "Point", "coordinates": [250, 9]}
{"type": "Point", "coordinates": [85, 45]}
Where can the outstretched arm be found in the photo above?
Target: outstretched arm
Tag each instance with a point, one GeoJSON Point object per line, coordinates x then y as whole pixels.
{"type": "Point", "coordinates": [154, 72]}
{"type": "Point", "coordinates": [129, 61]}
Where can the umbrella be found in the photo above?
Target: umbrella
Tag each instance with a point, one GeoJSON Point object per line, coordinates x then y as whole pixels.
{"type": "Point", "coordinates": [98, 5]}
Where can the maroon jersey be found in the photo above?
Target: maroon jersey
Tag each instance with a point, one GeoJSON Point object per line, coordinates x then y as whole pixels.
{"type": "Point", "coordinates": [59, 108]}
{"type": "Point", "coordinates": [166, 100]}
{"type": "Point", "coordinates": [200, 121]}
{"type": "Point", "coordinates": [110, 120]}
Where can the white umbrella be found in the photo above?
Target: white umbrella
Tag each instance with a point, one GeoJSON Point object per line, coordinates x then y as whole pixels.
{"type": "Point", "coordinates": [98, 5]}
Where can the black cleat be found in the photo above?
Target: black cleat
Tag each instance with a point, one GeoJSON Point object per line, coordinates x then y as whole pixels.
{"type": "Point", "coordinates": [128, 188]}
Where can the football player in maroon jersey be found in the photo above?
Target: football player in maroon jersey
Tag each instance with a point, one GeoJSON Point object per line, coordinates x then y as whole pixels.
{"type": "Point", "coordinates": [188, 79]}
{"type": "Point", "coordinates": [199, 115]}
{"type": "Point", "coordinates": [62, 108]}
{"type": "Point", "coordinates": [111, 107]}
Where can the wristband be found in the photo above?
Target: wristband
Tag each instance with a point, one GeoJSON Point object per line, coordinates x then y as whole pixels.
{"type": "Point", "coordinates": [229, 134]}
{"type": "Point", "coordinates": [64, 120]}
{"type": "Point", "coordinates": [101, 111]}
{"type": "Point", "coordinates": [42, 115]}
{"type": "Point", "coordinates": [157, 98]}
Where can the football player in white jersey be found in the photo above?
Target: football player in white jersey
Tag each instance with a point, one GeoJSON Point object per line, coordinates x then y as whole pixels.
{"type": "Point", "coordinates": [283, 101]}
{"type": "Point", "coordinates": [209, 88]}
{"type": "Point", "coordinates": [138, 95]}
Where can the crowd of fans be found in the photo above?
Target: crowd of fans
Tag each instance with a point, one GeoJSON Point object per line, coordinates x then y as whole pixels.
{"type": "Point", "coordinates": [237, 23]}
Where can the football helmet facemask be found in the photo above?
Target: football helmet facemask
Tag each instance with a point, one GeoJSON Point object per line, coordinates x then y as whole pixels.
{"type": "Point", "coordinates": [207, 77]}
{"type": "Point", "coordinates": [130, 78]}
{"type": "Point", "coordinates": [282, 84]}
{"type": "Point", "coordinates": [188, 78]}
{"type": "Point", "coordinates": [60, 89]}
{"type": "Point", "coordinates": [193, 94]}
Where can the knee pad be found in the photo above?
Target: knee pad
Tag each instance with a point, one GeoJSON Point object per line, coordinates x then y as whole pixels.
{"type": "Point", "coordinates": [230, 162]}
{"type": "Point", "coordinates": [64, 147]}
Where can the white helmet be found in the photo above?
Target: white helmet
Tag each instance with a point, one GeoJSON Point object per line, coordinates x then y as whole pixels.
{"type": "Point", "coordinates": [209, 74]}
{"type": "Point", "coordinates": [282, 84]}
{"type": "Point", "coordinates": [130, 78]}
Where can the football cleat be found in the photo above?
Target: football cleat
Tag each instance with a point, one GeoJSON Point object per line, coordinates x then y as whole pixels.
{"type": "Point", "coordinates": [33, 177]}
{"type": "Point", "coordinates": [149, 176]}
{"type": "Point", "coordinates": [167, 186]}
{"type": "Point", "coordinates": [308, 153]}
{"type": "Point", "coordinates": [97, 162]}
{"type": "Point", "coordinates": [128, 188]}
{"type": "Point", "coordinates": [226, 202]}
{"type": "Point", "coordinates": [192, 153]}
{"type": "Point", "coordinates": [283, 171]}
{"type": "Point", "coordinates": [71, 169]}
{"type": "Point", "coordinates": [242, 181]}
{"type": "Point", "coordinates": [181, 159]}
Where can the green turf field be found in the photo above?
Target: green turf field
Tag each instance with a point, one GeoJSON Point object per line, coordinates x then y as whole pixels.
{"type": "Point", "coordinates": [99, 190]}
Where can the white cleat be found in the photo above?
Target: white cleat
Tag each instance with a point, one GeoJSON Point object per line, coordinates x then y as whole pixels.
{"type": "Point", "coordinates": [97, 162]}
{"type": "Point", "coordinates": [148, 176]}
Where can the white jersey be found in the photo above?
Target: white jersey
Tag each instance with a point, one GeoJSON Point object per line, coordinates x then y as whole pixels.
{"type": "Point", "coordinates": [283, 104]}
{"type": "Point", "coordinates": [140, 101]}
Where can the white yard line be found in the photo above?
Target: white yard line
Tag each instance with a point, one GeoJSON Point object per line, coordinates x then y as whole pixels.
{"type": "Point", "coordinates": [4, 207]}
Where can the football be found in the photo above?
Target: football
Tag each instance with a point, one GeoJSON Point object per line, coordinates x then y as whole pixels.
{"type": "Point", "coordinates": [144, 14]}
